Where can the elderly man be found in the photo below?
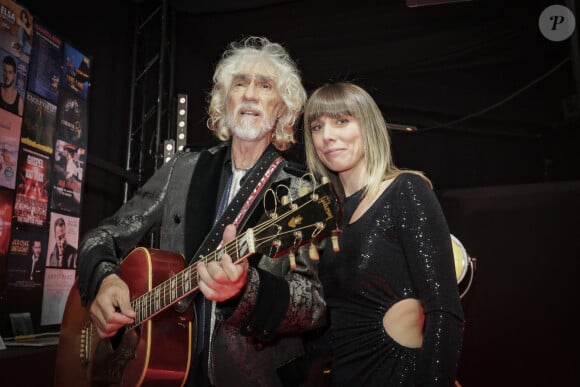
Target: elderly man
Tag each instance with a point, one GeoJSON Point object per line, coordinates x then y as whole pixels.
{"type": "Point", "coordinates": [252, 315]}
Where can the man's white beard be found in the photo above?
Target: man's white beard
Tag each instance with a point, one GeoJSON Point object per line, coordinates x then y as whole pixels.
{"type": "Point", "coordinates": [247, 129]}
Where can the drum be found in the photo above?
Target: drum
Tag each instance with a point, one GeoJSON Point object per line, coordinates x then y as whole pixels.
{"type": "Point", "coordinates": [464, 265]}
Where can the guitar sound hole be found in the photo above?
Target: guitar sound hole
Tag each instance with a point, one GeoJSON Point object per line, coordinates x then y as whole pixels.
{"type": "Point", "coordinates": [118, 338]}
{"type": "Point", "coordinates": [112, 355]}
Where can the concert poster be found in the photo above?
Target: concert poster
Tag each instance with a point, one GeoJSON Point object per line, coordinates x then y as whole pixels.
{"type": "Point", "coordinates": [72, 118]}
{"type": "Point", "coordinates": [21, 73]}
{"type": "Point", "coordinates": [32, 184]}
{"type": "Point", "coordinates": [44, 69]}
{"type": "Point", "coordinates": [24, 275]}
{"type": "Point", "coordinates": [58, 280]}
{"type": "Point", "coordinates": [6, 201]}
{"type": "Point", "coordinates": [9, 143]}
{"type": "Point", "coordinates": [38, 123]}
{"type": "Point", "coordinates": [70, 226]}
{"type": "Point", "coordinates": [67, 178]}
{"type": "Point", "coordinates": [57, 285]}
{"type": "Point", "coordinates": [76, 71]}
{"type": "Point", "coordinates": [26, 259]}
{"type": "Point", "coordinates": [15, 35]}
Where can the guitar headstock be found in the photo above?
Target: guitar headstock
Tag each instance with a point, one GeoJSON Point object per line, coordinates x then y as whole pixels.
{"type": "Point", "coordinates": [312, 216]}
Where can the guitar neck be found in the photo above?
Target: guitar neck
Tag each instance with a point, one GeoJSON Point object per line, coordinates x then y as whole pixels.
{"type": "Point", "coordinates": [184, 283]}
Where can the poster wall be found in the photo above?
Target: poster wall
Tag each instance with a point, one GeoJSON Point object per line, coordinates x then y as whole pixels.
{"type": "Point", "coordinates": [45, 86]}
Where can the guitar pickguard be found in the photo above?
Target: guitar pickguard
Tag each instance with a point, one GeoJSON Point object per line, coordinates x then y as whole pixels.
{"type": "Point", "coordinates": [110, 360]}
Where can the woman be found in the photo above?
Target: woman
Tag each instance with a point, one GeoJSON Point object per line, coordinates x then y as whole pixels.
{"type": "Point", "coordinates": [24, 34]}
{"type": "Point", "coordinates": [395, 312]}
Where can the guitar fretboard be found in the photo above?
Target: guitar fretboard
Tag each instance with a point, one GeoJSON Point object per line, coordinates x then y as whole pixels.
{"type": "Point", "coordinates": [183, 283]}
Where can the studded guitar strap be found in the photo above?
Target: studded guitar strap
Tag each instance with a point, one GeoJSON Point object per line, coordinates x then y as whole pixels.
{"type": "Point", "coordinates": [245, 201]}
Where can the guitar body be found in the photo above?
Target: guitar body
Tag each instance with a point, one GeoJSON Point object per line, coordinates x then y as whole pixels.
{"type": "Point", "coordinates": [155, 353]}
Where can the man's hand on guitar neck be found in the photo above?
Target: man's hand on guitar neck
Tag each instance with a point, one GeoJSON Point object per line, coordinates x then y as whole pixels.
{"type": "Point", "coordinates": [111, 308]}
{"type": "Point", "coordinates": [220, 281]}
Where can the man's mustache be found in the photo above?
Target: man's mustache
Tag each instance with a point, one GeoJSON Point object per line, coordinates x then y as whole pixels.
{"type": "Point", "coordinates": [250, 106]}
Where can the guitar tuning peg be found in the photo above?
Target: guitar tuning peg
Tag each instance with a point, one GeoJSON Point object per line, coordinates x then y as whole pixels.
{"type": "Point", "coordinates": [284, 200]}
{"type": "Point", "coordinates": [334, 239]}
{"type": "Point", "coordinates": [313, 252]}
{"type": "Point", "coordinates": [303, 190]}
{"type": "Point", "coordinates": [292, 257]}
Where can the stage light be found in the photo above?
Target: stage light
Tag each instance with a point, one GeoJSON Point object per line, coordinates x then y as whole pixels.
{"type": "Point", "coordinates": [464, 266]}
{"type": "Point", "coordinates": [168, 150]}
{"type": "Point", "coordinates": [404, 128]}
{"type": "Point", "coordinates": [181, 121]}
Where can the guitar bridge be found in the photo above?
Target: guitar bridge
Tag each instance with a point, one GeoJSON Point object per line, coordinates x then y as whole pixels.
{"type": "Point", "coordinates": [85, 346]}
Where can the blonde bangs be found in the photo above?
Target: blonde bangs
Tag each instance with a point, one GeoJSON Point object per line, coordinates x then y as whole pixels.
{"type": "Point", "coordinates": [330, 102]}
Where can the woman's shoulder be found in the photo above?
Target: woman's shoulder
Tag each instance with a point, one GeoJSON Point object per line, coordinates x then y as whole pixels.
{"type": "Point", "coordinates": [414, 179]}
{"type": "Point", "coordinates": [408, 187]}
{"type": "Point", "coordinates": [410, 180]}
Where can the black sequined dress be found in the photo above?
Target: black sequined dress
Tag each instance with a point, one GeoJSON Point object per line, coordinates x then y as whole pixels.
{"type": "Point", "coordinates": [400, 248]}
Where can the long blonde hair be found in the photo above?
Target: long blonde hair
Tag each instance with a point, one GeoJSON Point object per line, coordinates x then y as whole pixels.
{"type": "Point", "coordinates": [344, 98]}
{"type": "Point", "coordinates": [288, 81]}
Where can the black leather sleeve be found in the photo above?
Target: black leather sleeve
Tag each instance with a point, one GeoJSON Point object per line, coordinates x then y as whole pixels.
{"type": "Point", "coordinates": [102, 270]}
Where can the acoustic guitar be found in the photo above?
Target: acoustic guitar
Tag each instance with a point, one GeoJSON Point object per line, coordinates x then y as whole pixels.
{"type": "Point", "coordinates": [155, 349]}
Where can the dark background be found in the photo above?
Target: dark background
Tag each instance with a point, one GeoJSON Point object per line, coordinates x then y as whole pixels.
{"type": "Point", "coordinates": [497, 132]}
